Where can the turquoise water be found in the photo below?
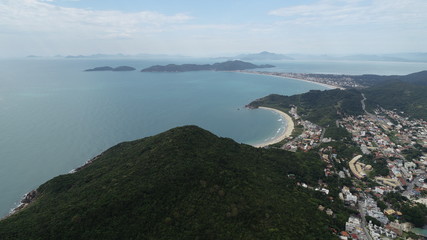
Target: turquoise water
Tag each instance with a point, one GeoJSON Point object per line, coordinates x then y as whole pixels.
{"type": "Point", "coordinates": [420, 231]}
{"type": "Point", "coordinates": [54, 116]}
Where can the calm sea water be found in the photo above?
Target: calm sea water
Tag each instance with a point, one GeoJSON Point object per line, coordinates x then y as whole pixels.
{"type": "Point", "coordinates": [420, 231]}
{"type": "Point", "coordinates": [54, 116]}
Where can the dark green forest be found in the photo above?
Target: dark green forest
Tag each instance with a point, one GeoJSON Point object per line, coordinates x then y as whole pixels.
{"type": "Point", "coordinates": [185, 183]}
{"type": "Point", "coordinates": [320, 107]}
{"type": "Point", "coordinates": [402, 96]}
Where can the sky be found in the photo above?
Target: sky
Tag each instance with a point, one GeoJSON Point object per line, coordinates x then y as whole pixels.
{"type": "Point", "coordinates": [211, 28]}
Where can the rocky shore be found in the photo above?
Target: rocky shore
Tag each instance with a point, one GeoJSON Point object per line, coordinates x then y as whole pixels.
{"type": "Point", "coordinates": [28, 198]}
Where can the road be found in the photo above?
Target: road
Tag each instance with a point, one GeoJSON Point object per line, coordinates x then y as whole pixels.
{"type": "Point", "coordinates": [364, 106]}
{"type": "Point", "coordinates": [410, 187]}
{"type": "Point", "coordinates": [362, 208]}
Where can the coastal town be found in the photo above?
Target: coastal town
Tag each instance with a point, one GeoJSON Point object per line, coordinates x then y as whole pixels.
{"type": "Point", "coordinates": [332, 80]}
{"type": "Point", "coordinates": [383, 167]}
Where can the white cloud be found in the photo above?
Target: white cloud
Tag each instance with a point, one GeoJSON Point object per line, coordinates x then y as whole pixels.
{"type": "Point", "coordinates": [41, 16]}
{"type": "Point", "coordinates": [39, 27]}
{"type": "Point", "coordinates": [339, 12]}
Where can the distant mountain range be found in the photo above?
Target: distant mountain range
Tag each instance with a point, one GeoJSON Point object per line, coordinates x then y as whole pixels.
{"type": "Point", "coordinates": [397, 57]}
{"type": "Point", "coordinates": [263, 56]}
{"type": "Point", "coordinates": [268, 56]}
{"type": "Point", "coordinates": [120, 55]}
{"type": "Point", "coordinates": [107, 68]}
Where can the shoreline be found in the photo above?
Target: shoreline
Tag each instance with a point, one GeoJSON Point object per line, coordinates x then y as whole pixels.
{"type": "Point", "coordinates": [29, 197]}
{"type": "Point", "coordinates": [285, 134]}
{"type": "Point", "coordinates": [272, 74]}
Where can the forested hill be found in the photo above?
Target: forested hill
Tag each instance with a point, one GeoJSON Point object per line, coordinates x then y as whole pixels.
{"type": "Point", "coordinates": [418, 78]}
{"type": "Point", "coordinates": [324, 107]}
{"type": "Point", "coordinates": [320, 107]}
{"type": "Point", "coordinates": [185, 183]}
{"type": "Point", "coordinates": [223, 66]}
{"type": "Point", "coordinates": [402, 96]}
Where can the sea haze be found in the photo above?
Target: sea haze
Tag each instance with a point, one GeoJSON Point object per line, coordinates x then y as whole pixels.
{"type": "Point", "coordinates": [54, 116]}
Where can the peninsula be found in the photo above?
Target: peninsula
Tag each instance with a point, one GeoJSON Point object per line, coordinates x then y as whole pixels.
{"type": "Point", "coordinates": [108, 68]}
{"type": "Point", "coordinates": [223, 66]}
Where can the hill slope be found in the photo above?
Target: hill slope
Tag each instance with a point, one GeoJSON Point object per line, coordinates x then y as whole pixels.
{"type": "Point", "coordinates": [320, 107]}
{"type": "Point", "coordinates": [403, 96]}
{"type": "Point", "coordinates": [324, 107]}
{"type": "Point", "coordinates": [223, 66]}
{"type": "Point", "coordinates": [185, 183]}
{"type": "Point", "coordinates": [418, 78]}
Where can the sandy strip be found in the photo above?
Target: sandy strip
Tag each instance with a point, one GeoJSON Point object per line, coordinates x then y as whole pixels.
{"type": "Point", "coordinates": [285, 134]}
{"type": "Point", "coordinates": [298, 79]}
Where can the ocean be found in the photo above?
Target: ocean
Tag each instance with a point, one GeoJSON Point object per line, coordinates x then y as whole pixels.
{"type": "Point", "coordinates": [54, 116]}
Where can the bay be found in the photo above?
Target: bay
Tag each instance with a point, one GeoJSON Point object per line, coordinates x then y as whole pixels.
{"type": "Point", "coordinates": [54, 116]}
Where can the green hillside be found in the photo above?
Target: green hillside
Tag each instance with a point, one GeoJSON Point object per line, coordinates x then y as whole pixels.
{"type": "Point", "coordinates": [324, 107]}
{"type": "Point", "coordinates": [185, 183]}
{"type": "Point", "coordinates": [223, 66]}
{"type": "Point", "coordinates": [402, 96]}
{"type": "Point", "coordinates": [320, 107]}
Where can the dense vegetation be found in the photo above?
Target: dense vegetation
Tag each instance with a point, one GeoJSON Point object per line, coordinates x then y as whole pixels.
{"type": "Point", "coordinates": [379, 166]}
{"type": "Point", "coordinates": [337, 133]}
{"type": "Point", "coordinates": [320, 107]}
{"type": "Point", "coordinates": [224, 66]}
{"type": "Point", "coordinates": [185, 183]}
{"type": "Point", "coordinates": [403, 93]}
{"type": "Point", "coordinates": [343, 149]}
{"type": "Point", "coordinates": [406, 97]}
{"type": "Point", "coordinates": [418, 78]}
{"type": "Point", "coordinates": [412, 212]}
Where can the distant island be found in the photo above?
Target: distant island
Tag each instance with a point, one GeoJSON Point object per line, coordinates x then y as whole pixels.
{"type": "Point", "coordinates": [224, 66]}
{"type": "Point", "coordinates": [263, 56]}
{"type": "Point", "coordinates": [107, 68]}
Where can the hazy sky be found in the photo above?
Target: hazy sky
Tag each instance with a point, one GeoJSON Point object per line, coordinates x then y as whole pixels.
{"type": "Point", "coordinates": [202, 28]}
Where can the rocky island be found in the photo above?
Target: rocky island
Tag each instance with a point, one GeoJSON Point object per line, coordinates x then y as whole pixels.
{"type": "Point", "coordinates": [224, 66]}
{"type": "Point", "coordinates": [108, 68]}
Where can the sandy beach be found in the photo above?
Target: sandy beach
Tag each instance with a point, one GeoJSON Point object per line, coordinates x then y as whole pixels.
{"type": "Point", "coordinates": [299, 79]}
{"type": "Point", "coordinates": [285, 134]}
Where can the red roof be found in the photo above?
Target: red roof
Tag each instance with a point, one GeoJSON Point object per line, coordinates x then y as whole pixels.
{"type": "Point", "coordinates": [402, 181]}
